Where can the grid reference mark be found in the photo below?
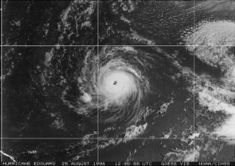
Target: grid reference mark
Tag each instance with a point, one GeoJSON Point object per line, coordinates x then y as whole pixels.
{"type": "Point", "coordinates": [1, 82]}
{"type": "Point", "coordinates": [97, 42]}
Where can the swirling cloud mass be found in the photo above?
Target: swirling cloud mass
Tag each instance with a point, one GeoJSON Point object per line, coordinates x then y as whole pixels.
{"type": "Point", "coordinates": [118, 85]}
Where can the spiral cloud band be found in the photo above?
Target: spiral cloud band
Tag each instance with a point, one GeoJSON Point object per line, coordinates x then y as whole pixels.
{"type": "Point", "coordinates": [114, 84]}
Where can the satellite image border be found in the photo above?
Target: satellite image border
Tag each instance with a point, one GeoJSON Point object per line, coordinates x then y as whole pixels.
{"type": "Point", "coordinates": [121, 82]}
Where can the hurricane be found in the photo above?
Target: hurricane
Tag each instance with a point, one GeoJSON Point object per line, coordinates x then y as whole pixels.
{"type": "Point", "coordinates": [119, 84]}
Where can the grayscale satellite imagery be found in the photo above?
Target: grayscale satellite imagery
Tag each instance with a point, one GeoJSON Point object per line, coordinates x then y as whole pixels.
{"type": "Point", "coordinates": [117, 81]}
